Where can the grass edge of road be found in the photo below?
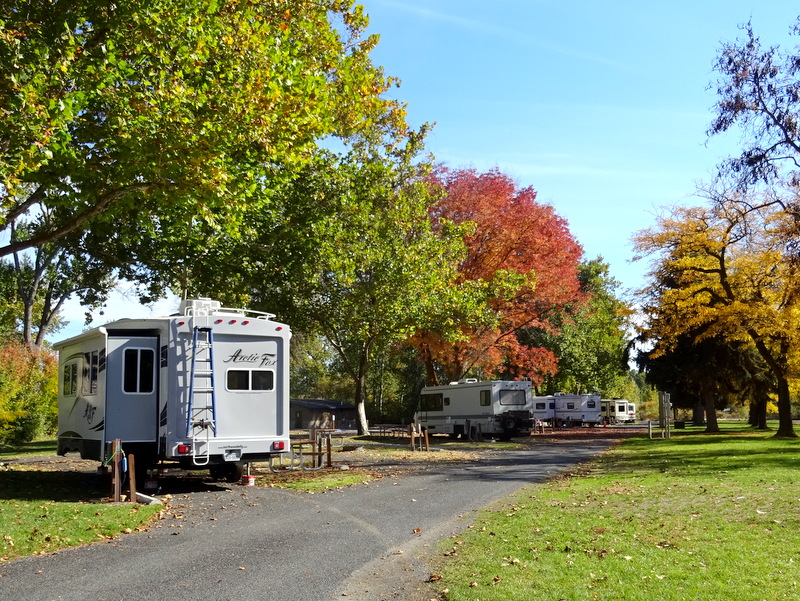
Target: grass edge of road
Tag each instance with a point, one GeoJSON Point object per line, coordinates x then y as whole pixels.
{"type": "Point", "coordinates": [697, 516]}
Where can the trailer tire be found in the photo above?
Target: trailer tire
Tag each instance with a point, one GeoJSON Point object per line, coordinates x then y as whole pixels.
{"type": "Point", "coordinates": [233, 472]}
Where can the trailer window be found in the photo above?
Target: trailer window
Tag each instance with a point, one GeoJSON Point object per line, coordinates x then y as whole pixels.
{"type": "Point", "coordinates": [91, 364]}
{"type": "Point", "coordinates": [540, 406]}
{"type": "Point", "coordinates": [621, 409]}
{"type": "Point", "coordinates": [591, 404]}
{"type": "Point", "coordinates": [138, 371]}
{"type": "Point", "coordinates": [486, 398]}
{"type": "Point", "coordinates": [512, 397]}
{"type": "Point", "coordinates": [570, 405]}
{"type": "Point", "coordinates": [431, 402]}
{"type": "Point", "coordinates": [70, 379]}
{"type": "Point", "coordinates": [250, 379]}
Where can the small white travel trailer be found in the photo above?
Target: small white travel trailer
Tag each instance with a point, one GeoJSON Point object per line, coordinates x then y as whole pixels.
{"type": "Point", "coordinates": [576, 409]}
{"type": "Point", "coordinates": [207, 388]}
{"type": "Point", "coordinates": [544, 408]}
{"type": "Point", "coordinates": [495, 408]}
{"type": "Point", "coordinates": [618, 411]}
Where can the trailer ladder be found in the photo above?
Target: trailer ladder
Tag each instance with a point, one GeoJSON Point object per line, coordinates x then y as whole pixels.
{"type": "Point", "coordinates": [201, 417]}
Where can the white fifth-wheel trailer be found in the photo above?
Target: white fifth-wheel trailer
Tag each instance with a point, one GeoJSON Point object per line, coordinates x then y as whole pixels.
{"type": "Point", "coordinates": [562, 409]}
{"type": "Point", "coordinates": [207, 388]}
{"type": "Point", "coordinates": [618, 411]}
{"type": "Point", "coordinates": [498, 408]}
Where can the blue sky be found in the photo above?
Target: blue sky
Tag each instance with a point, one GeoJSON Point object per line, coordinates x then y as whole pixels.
{"type": "Point", "coordinates": [602, 107]}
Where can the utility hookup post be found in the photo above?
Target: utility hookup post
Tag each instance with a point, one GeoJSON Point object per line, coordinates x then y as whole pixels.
{"type": "Point", "coordinates": [664, 413]}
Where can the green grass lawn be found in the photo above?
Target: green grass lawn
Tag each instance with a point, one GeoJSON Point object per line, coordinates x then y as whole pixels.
{"type": "Point", "coordinates": [44, 510]}
{"type": "Point", "coordinates": [696, 517]}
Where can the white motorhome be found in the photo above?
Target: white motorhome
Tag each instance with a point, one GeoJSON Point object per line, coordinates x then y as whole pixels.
{"type": "Point", "coordinates": [618, 411]}
{"type": "Point", "coordinates": [576, 409]}
{"type": "Point", "coordinates": [495, 408]}
{"type": "Point", "coordinates": [207, 388]}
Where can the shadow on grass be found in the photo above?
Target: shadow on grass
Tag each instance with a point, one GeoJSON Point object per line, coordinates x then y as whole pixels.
{"type": "Point", "coordinates": [703, 454]}
{"type": "Point", "coordinates": [42, 485]}
{"type": "Point", "coordinates": [77, 487]}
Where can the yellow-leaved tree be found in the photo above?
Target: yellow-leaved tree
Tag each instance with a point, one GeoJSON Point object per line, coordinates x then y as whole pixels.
{"type": "Point", "coordinates": [728, 271]}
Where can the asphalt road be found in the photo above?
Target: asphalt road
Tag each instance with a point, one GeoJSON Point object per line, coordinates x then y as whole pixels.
{"type": "Point", "coordinates": [367, 542]}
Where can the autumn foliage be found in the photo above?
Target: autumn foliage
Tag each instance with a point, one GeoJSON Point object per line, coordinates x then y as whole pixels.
{"type": "Point", "coordinates": [526, 259]}
{"type": "Point", "coordinates": [28, 395]}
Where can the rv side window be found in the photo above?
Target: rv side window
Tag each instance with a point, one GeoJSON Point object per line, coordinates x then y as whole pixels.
{"type": "Point", "coordinates": [138, 371]}
{"type": "Point", "coordinates": [446, 401]}
{"type": "Point", "coordinates": [540, 406]}
{"type": "Point", "coordinates": [90, 372]}
{"type": "Point", "coordinates": [71, 379]}
{"type": "Point", "coordinates": [431, 402]}
{"type": "Point", "coordinates": [250, 379]}
{"type": "Point", "coordinates": [570, 405]}
{"type": "Point", "coordinates": [552, 405]}
{"type": "Point", "coordinates": [512, 397]}
{"type": "Point", "coordinates": [621, 409]}
{"type": "Point", "coordinates": [90, 364]}
{"type": "Point", "coordinates": [486, 398]}
{"type": "Point", "coordinates": [591, 404]}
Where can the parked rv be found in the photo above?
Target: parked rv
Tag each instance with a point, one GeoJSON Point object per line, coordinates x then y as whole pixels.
{"type": "Point", "coordinates": [576, 409]}
{"type": "Point", "coordinates": [618, 411]}
{"type": "Point", "coordinates": [494, 408]}
{"type": "Point", "coordinates": [544, 408]}
{"type": "Point", "coordinates": [206, 388]}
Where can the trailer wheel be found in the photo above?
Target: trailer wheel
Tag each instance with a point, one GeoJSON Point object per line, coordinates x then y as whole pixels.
{"type": "Point", "coordinates": [216, 471]}
{"type": "Point", "coordinates": [233, 471]}
{"type": "Point", "coordinates": [509, 423]}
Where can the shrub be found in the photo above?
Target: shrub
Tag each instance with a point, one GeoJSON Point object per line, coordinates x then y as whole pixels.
{"type": "Point", "coordinates": [28, 393]}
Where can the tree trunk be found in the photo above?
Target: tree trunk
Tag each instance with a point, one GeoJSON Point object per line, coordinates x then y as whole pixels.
{"type": "Point", "coordinates": [758, 414]}
{"type": "Point", "coordinates": [785, 425]}
{"type": "Point", "coordinates": [361, 389]}
{"type": "Point", "coordinates": [698, 413]}
{"type": "Point", "coordinates": [712, 427]}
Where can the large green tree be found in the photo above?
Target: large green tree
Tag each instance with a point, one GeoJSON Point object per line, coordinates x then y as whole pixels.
{"type": "Point", "coordinates": [590, 341]}
{"type": "Point", "coordinates": [159, 123]}
{"type": "Point", "coordinates": [346, 250]}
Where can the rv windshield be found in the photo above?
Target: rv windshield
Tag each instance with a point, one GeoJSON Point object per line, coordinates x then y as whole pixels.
{"type": "Point", "coordinates": [512, 397]}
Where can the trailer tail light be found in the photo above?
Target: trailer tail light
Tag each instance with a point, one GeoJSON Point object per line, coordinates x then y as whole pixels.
{"type": "Point", "coordinates": [184, 449]}
{"type": "Point", "coordinates": [279, 328]}
{"type": "Point", "coordinates": [278, 445]}
{"type": "Point", "coordinates": [245, 322]}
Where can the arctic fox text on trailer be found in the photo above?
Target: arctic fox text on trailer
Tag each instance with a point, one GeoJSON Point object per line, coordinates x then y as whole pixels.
{"type": "Point", "coordinates": [499, 408]}
{"type": "Point", "coordinates": [208, 388]}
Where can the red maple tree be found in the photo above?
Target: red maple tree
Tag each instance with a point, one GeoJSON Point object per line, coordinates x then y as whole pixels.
{"type": "Point", "coordinates": [512, 233]}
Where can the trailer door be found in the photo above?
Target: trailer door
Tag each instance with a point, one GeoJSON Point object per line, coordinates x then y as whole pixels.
{"type": "Point", "coordinates": [132, 389]}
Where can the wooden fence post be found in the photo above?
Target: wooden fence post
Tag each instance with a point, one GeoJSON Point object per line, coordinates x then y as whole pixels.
{"type": "Point", "coordinates": [132, 476]}
{"type": "Point", "coordinates": [117, 470]}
